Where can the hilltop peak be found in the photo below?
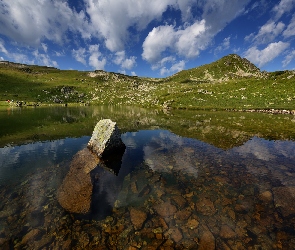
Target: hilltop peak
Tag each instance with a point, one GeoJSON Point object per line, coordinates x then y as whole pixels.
{"type": "Point", "coordinates": [227, 68]}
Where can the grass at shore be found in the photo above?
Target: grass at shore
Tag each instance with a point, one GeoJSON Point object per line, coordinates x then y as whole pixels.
{"type": "Point", "coordinates": [241, 94]}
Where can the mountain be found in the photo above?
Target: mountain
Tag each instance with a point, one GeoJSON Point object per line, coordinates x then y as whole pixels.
{"type": "Point", "coordinates": [227, 68]}
{"type": "Point", "coordinates": [230, 83]}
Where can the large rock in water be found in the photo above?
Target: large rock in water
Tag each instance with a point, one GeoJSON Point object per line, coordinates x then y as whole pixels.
{"type": "Point", "coordinates": [106, 138]}
{"type": "Point", "coordinates": [75, 192]}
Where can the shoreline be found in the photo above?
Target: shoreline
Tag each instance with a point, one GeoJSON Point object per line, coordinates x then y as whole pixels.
{"type": "Point", "coordinates": [263, 110]}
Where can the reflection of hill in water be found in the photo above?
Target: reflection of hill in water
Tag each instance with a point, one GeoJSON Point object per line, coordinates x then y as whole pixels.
{"type": "Point", "coordinates": [167, 152]}
{"type": "Point", "coordinates": [221, 129]}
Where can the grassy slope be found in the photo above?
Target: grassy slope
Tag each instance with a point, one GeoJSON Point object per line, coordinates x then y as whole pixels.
{"type": "Point", "coordinates": [229, 83]}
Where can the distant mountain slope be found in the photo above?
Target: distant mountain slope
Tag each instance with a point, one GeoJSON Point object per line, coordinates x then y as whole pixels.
{"type": "Point", "coordinates": [229, 67]}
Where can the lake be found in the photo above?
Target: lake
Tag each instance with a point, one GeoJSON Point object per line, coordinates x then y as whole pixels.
{"type": "Point", "coordinates": [186, 180]}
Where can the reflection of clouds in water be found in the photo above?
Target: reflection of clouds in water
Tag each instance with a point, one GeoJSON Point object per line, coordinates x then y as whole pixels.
{"type": "Point", "coordinates": [13, 155]}
{"type": "Point", "coordinates": [257, 147]}
{"type": "Point", "coordinates": [18, 160]}
{"type": "Point", "coordinates": [171, 140]}
{"type": "Point", "coordinates": [128, 140]}
{"type": "Point", "coordinates": [8, 155]}
{"type": "Point", "coordinates": [266, 150]}
{"type": "Point", "coordinates": [277, 159]}
{"type": "Point", "coordinates": [52, 148]}
{"type": "Point", "coordinates": [170, 152]}
{"type": "Point", "coordinates": [286, 148]}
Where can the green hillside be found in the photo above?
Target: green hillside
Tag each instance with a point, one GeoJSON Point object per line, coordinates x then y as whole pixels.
{"type": "Point", "coordinates": [229, 83]}
{"type": "Point", "coordinates": [227, 68]}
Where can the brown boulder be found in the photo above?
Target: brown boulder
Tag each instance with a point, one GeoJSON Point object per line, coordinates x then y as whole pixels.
{"type": "Point", "coordinates": [75, 192]}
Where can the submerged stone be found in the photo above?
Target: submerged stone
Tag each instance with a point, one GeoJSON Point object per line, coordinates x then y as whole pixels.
{"type": "Point", "coordinates": [138, 217]}
{"type": "Point", "coordinates": [106, 138]}
{"type": "Point", "coordinates": [165, 209]}
{"type": "Point", "coordinates": [284, 199]}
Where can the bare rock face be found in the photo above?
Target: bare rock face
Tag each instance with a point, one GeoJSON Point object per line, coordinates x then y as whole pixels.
{"type": "Point", "coordinates": [106, 138]}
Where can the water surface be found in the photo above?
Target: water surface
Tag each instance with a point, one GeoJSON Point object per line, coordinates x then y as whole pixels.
{"type": "Point", "coordinates": [187, 180]}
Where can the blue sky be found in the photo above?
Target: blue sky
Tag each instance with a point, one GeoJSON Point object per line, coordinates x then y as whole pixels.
{"type": "Point", "coordinates": [154, 38]}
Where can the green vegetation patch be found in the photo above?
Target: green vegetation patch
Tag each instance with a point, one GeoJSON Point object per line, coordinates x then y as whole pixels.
{"type": "Point", "coordinates": [229, 83]}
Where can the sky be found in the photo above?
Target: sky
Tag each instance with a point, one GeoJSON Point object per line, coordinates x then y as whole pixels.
{"type": "Point", "coordinates": [154, 38]}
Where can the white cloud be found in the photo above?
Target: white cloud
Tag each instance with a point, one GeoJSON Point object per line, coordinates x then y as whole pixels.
{"type": "Point", "coordinates": [96, 60]}
{"type": "Point", "coordinates": [268, 32]}
{"type": "Point", "coordinates": [272, 29]}
{"type": "Point", "coordinates": [290, 31]}
{"type": "Point", "coordinates": [2, 47]}
{"type": "Point", "coordinates": [157, 41]}
{"type": "Point", "coordinates": [191, 38]}
{"type": "Point", "coordinates": [218, 13]}
{"type": "Point", "coordinates": [79, 55]}
{"type": "Point", "coordinates": [129, 63]}
{"type": "Point", "coordinates": [177, 67]}
{"type": "Point", "coordinates": [44, 59]}
{"type": "Point", "coordinates": [223, 46]}
{"type": "Point", "coordinates": [93, 56]}
{"type": "Point", "coordinates": [120, 56]}
{"type": "Point", "coordinates": [105, 15]}
{"type": "Point", "coordinates": [30, 22]}
{"type": "Point", "coordinates": [283, 7]}
{"type": "Point", "coordinates": [44, 46]}
{"type": "Point", "coordinates": [261, 57]}
{"type": "Point", "coordinates": [174, 68]}
{"type": "Point", "coordinates": [1, 58]}
{"type": "Point", "coordinates": [186, 42]}
{"type": "Point", "coordinates": [133, 73]}
{"type": "Point", "coordinates": [22, 56]}
{"type": "Point", "coordinates": [290, 57]}
{"type": "Point", "coordinates": [125, 63]}
{"type": "Point", "coordinates": [249, 37]}
{"type": "Point", "coordinates": [59, 53]}
{"type": "Point", "coordinates": [163, 62]}
{"type": "Point", "coordinates": [110, 19]}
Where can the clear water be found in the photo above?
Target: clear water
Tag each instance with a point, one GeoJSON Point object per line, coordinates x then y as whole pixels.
{"type": "Point", "coordinates": [169, 192]}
